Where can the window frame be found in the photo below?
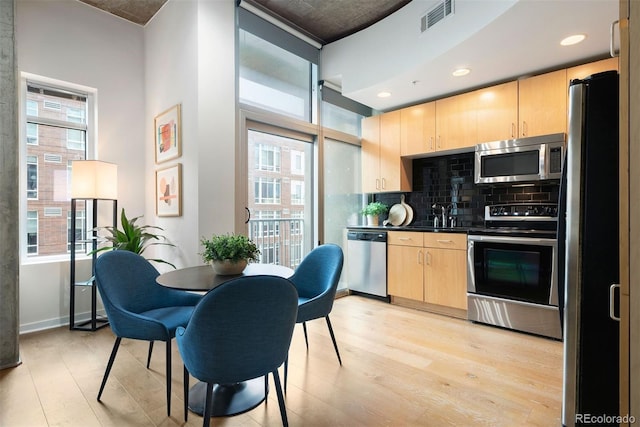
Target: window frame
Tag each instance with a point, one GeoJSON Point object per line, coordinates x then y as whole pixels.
{"type": "Point", "coordinates": [89, 127]}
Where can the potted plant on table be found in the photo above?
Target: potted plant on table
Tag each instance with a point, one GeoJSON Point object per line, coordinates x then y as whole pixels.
{"type": "Point", "coordinates": [134, 238]}
{"type": "Point", "coordinates": [229, 253]}
{"type": "Point", "coordinates": [373, 210]}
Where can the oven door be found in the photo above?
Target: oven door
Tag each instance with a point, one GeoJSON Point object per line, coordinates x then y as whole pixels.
{"type": "Point", "coordinates": [513, 268]}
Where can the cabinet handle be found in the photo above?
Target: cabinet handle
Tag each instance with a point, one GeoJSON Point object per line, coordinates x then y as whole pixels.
{"type": "Point", "coordinates": [420, 257]}
{"type": "Point", "coordinates": [444, 241]}
{"type": "Point", "coordinates": [383, 183]}
{"type": "Point", "coordinates": [513, 130]}
{"type": "Point", "coordinates": [404, 238]}
{"type": "Point", "coordinates": [377, 183]}
{"type": "Point", "coordinates": [524, 128]}
{"type": "Point", "coordinates": [439, 137]}
{"type": "Point", "coordinates": [612, 50]}
{"type": "Point", "coordinates": [431, 143]}
{"type": "Point", "coordinates": [427, 256]}
{"type": "Point", "coordinates": [612, 296]}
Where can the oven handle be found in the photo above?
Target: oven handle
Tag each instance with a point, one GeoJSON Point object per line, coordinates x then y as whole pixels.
{"type": "Point", "coordinates": [471, 275]}
{"type": "Point", "coordinates": [509, 239]}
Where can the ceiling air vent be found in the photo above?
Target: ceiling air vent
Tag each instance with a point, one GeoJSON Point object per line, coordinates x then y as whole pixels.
{"type": "Point", "coordinates": [436, 14]}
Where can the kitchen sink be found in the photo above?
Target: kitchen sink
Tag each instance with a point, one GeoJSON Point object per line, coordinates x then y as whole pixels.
{"type": "Point", "coordinates": [438, 229]}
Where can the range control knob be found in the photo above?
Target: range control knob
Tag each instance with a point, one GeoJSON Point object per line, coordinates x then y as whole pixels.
{"type": "Point", "coordinates": [498, 211]}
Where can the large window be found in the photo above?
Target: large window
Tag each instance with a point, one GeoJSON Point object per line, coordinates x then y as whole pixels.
{"type": "Point", "coordinates": [342, 196]}
{"type": "Point", "coordinates": [277, 71]}
{"type": "Point", "coordinates": [279, 98]}
{"type": "Point", "coordinates": [272, 78]}
{"type": "Point", "coordinates": [278, 199]}
{"type": "Point", "coordinates": [56, 132]}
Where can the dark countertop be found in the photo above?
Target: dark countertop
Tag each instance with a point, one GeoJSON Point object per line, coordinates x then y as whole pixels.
{"type": "Point", "coordinates": [423, 228]}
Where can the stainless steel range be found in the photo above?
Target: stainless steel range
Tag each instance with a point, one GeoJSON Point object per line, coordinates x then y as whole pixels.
{"type": "Point", "coordinates": [512, 269]}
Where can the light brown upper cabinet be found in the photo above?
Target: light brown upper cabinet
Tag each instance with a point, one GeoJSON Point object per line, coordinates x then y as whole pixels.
{"type": "Point", "coordinates": [418, 129]}
{"type": "Point", "coordinates": [542, 104]}
{"type": "Point", "coordinates": [532, 106]}
{"type": "Point", "coordinates": [585, 70]}
{"type": "Point", "coordinates": [382, 168]}
{"type": "Point", "coordinates": [497, 110]}
{"type": "Point", "coordinates": [370, 154]}
{"type": "Point", "coordinates": [456, 122]}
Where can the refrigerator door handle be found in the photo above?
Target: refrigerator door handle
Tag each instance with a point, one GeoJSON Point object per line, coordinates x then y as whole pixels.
{"type": "Point", "coordinates": [612, 31]}
{"type": "Point", "coordinates": [612, 299]}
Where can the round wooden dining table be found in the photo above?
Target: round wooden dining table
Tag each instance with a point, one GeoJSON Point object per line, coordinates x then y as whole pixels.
{"type": "Point", "coordinates": [228, 399]}
{"type": "Point", "coordinates": [203, 278]}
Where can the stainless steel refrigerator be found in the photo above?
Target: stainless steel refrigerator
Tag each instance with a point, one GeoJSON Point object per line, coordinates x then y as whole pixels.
{"type": "Point", "coordinates": [589, 253]}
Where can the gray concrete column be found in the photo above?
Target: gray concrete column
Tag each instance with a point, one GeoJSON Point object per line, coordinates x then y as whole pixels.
{"type": "Point", "coordinates": [9, 189]}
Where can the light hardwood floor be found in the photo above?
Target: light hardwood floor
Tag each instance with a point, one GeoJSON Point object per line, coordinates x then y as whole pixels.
{"type": "Point", "coordinates": [401, 367]}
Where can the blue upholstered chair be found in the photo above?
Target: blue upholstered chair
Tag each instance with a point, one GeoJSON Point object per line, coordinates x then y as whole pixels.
{"type": "Point", "coordinates": [239, 331]}
{"type": "Point", "coordinates": [138, 307]}
{"type": "Point", "coordinates": [316, 280]}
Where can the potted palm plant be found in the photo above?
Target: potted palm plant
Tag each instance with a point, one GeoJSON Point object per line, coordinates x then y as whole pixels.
{"type": "Point", "coordinates": [134, 238]}
{"type": "Point", "coordinates": [373, 210]}
{"type": "Point", "coordinates": [229, 253]}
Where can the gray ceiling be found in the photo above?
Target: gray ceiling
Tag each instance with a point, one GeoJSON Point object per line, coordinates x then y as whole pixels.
{"type": "Point", "coordinates": [137, 11]}
{"type": "Point", "coordinates": [322, 20]}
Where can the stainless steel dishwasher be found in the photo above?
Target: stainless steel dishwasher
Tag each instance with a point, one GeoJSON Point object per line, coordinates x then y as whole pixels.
{"type": "Point", "coordinates": [367, 262]}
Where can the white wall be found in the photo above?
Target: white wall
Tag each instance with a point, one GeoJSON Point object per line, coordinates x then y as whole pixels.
{"type": "Point", "coordinates": [185, 55]}
{"type": "Point", "coordinates": [171, 78]}
{"type": "Point", "coordinates": [190, 59]}
{"type": "Point", "coordinates": [73, 42]}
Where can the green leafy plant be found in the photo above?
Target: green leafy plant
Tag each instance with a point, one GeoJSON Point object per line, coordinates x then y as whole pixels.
{"type": "Point", "coordinates": [233, 247]}
{"type": "Point", "coordinates": [134, 238]}
{"type": "Point", "coordinates": [375, 208]}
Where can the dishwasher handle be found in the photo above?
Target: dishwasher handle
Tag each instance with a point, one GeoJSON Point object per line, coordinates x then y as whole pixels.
{"type": "Point", "coordinates": [368, 236]}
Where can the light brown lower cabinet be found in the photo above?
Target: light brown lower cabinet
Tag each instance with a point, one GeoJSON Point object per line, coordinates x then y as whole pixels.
{"type": "Point", "coordinates": [428, 268]}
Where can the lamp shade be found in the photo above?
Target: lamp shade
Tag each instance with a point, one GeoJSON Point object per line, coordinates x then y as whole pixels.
{"type": "Point", "coordinates": [93, 179]}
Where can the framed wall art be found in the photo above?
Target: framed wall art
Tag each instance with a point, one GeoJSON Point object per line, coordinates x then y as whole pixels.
{"type": "Point", "coordinates": [169, 191]}
{"type": "Point", "coordinates": [168, 134]}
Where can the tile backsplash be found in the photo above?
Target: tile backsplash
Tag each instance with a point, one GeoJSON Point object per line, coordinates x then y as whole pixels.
{"type": "Point", "coordinates": [448, 181]}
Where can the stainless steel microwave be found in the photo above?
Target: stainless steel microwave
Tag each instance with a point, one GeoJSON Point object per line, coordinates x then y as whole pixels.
{"type": "Point", "coordinates": [536, 158]}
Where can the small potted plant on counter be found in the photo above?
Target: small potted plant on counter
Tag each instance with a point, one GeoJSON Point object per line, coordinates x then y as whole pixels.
{"type": "Point", "coordinates": [229, 253]}
{"type": "Point", "coordinates": [373, 210]}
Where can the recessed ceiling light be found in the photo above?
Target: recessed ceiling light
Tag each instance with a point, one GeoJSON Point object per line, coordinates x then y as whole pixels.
{"type": "Point", "coordinates": [384, 94]}
{"type": "Point", "coordinates": [574, 39]}
{"type": "Point", "coordinates": [459, 72]}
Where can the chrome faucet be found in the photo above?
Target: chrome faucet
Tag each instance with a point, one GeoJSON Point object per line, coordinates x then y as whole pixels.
{"type": "Point", "coordinates": [436, 220]}
{"type": "Point", "coordinates": [444, 216]}
{"type": "Point", "coordinates": [442, 220]}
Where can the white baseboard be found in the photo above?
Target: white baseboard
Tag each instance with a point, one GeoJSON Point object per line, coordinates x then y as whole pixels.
{"type": "Point", "coordinates": [43, 325]}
